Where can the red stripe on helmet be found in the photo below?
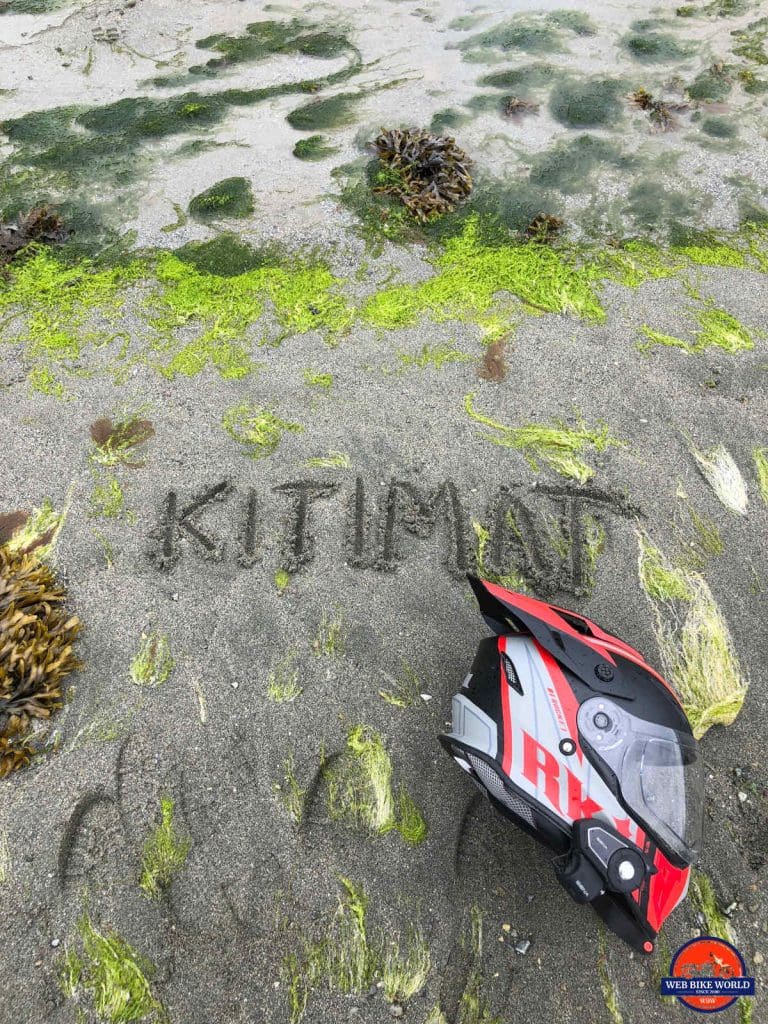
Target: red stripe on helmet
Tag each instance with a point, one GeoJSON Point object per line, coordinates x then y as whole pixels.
{"type": "Point", "coordinates": [666, 889]}
{"type": "Point", "coordinates": [506, 762]}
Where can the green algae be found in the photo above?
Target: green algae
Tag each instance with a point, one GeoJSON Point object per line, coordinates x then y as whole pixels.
{"type": "Point", "coordinates": [447, 120]}
{"type": "Point", "coordinates": [469, 275]}
{"type": "Point", "coordinates": [653, 206]}
{"type": "Point", "coordinates": [760, 455]}
{"type": "Point", "coordinates": [348, 957]}
{"type": "Point", "coordinates": [225, 307]}
{"type": "Point", "coordinates": [44, 381]}
{"type": "Point", "coordinates": [661, 579]}
{"type": "Point", "coordinates": [694, 641]}
{"type": "Point", "coordinates": [594, 545]}
{"type": "Point", "coordinates": [592, 103]}
{"type": "Point", "coordinates": [70, 155]}
{"type": "Point", "coordinates": [558, 446]}
{"type": "Point", "coordinates": [62, 310]}
{"type": "Point", "coordinates": [292, 795]}
{"type": "Point", "coordinates": [719, 127]}
{"type": "Point", "coordinates": [324, 114]}
{"type": "Point", "coordinates": [704, 898]}
{"type": "Point", "coordinates": [713, 84]}
{"type": "Point", "coordinates": [465, 22]}
{"type": "Point", "coordinates": [752, 41]}
{"type": "Point", "coordinates": [153, 662]}
{"type": "Point", "coordinates": [750, 83]}
{"type": "Point", "coordinates": [112, 976]}
{"type": "Point", "coordinates": [108, 499]}
{"type": "Point", "coordinates": [263, 39]}
{"type": "Point", "coordinates": [359, 790]}
{"type": "Point", "coordinates": [434, 355]}
{"type": "Point", "coordinates": [333, 460]}
{"type": "Point", "coordinates": [318, 380]}
{"type": "Point", "coordinates": [404, 691]}
{"type": "Point", "coordinates": [707, 250]}
{"type": "Point", "coordinates": [535, 34]}
{"type": "Point", "coordinates": [574, 21]}
{"type": "Point", "coordinates": [226, 255]}
{"type": "Point", "coordinates": [329, 640]}
{"type": "Point", "coordinates": [313, 148]}
{"type": "Point", "coordinates": [404, 972]}
{"type": "Point", "coordinates": [303, 296]}
{"type": "Point", "coordinates": [716, 329]}
{"type": "Point", "coordinates": [379, 217]}
{"type": "Point", "coordinates": [510, 578]}
{"type": "Point", "coordinates": [487, 103]}
{"type": "Point", "coordinates": [181, 220]}
{"type": "Point", "coordinates": [258, 430]}
{"type": "Point", "coordinates": [654, 47]}
{"type": "Point", "coordinates": [529, 76]}
{"type": "Point", "coordinates": [32, 6]}
{"type": "Point", "coordinates": [41, 531]}
{"type": "Point", "coordinates": [230, 197]}
{"type": "Point", "coordinates": [568, 165]}
{"type": "Point", "coordinates": [283, 682]}
{"type": "Point", "coordinates": [607, 986]}
{"type": "Point", "coordinates": [165, 853]}
{"type": "Point", "coordinates": [529, 34]}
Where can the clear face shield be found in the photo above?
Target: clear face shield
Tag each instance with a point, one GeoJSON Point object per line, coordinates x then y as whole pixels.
{"type": "Point", "coordinates": [658, 771]}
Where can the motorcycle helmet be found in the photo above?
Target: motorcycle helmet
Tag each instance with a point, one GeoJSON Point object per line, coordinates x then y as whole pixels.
{"type": "Point", "coordinates": [577, 740]}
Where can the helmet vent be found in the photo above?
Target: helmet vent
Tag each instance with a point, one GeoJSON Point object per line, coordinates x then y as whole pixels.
{"type": "Point", "coordinates": [496, 787]}
{"type": "Point", "coordinates": [579, 624]}
{"type": "Point", "coordinates": [511, 673]}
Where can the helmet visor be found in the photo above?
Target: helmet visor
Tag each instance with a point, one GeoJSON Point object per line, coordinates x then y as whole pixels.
{"type": "Point", "coordinates": [657, 770]}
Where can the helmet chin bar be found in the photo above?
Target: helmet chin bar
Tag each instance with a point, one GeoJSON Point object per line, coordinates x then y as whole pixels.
{"type": "Point", "coordinates": [600, 860]}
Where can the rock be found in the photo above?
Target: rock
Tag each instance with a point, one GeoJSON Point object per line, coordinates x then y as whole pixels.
{"type": "Point", "coordinates": [396, 1010]}
{"type": "Point", "coordinates": [758, 958]}
{"type": "Point", "coordinates": [55, 943]}
{"type": "Point", "coordinates": [742, 796]}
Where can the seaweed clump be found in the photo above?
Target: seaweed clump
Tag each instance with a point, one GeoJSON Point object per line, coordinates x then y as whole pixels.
{"type": "Point", "coordinates": [115, 977]}
{"type": "Point", "coordinates": [660, 113]}
{"type": "Point", "coordinates": [429, 174]}
{"type": "Point", "coordinates": [36, 638]}
{"type": "Point", "coordinates": [41, 224]}
{"type": "Point", "coordinates": [348, 958]}
{"type": "Point", "coordinates": [695, 643]}
{"type": "Point", "coordinates": [558, 445]}
{"type": "Point", "coordinates": [114, 441]}
{"type": "Point", "coordinates": [231, 197]}
{"type": "Point", "coordinates": [165, 853]}
{"type": "Point", "coordinates": [359, 786]}
{"type": "Point", "coordinates": [516, 108]}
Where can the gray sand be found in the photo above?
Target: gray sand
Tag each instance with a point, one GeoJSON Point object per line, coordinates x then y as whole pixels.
{"type": "Point", "coordinates": [255, 882]}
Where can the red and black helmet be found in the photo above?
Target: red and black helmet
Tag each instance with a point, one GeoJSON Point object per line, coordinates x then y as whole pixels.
{"type": "Point", "coordinates": [575, 738]}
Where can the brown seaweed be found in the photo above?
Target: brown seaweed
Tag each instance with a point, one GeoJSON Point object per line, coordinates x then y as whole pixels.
{"type": "Point", "coordinates": [429, 174]}
{"type": "Point", "coordinates": [660, 112]}
{"type": "Point", "coordinates": [36, 652]}
{"type": "Point", "coordinates": [543, 227]}
{"type": "Point", "coordinates": [41, 224]}
{"type": "Point", "coordinates": [493, 366]}
{"type": "Point", "coordinates": [516, 108]}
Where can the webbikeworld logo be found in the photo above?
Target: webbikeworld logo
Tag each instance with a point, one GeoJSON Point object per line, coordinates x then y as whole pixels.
{"type": "Point", "coordinates": [708, 975]}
